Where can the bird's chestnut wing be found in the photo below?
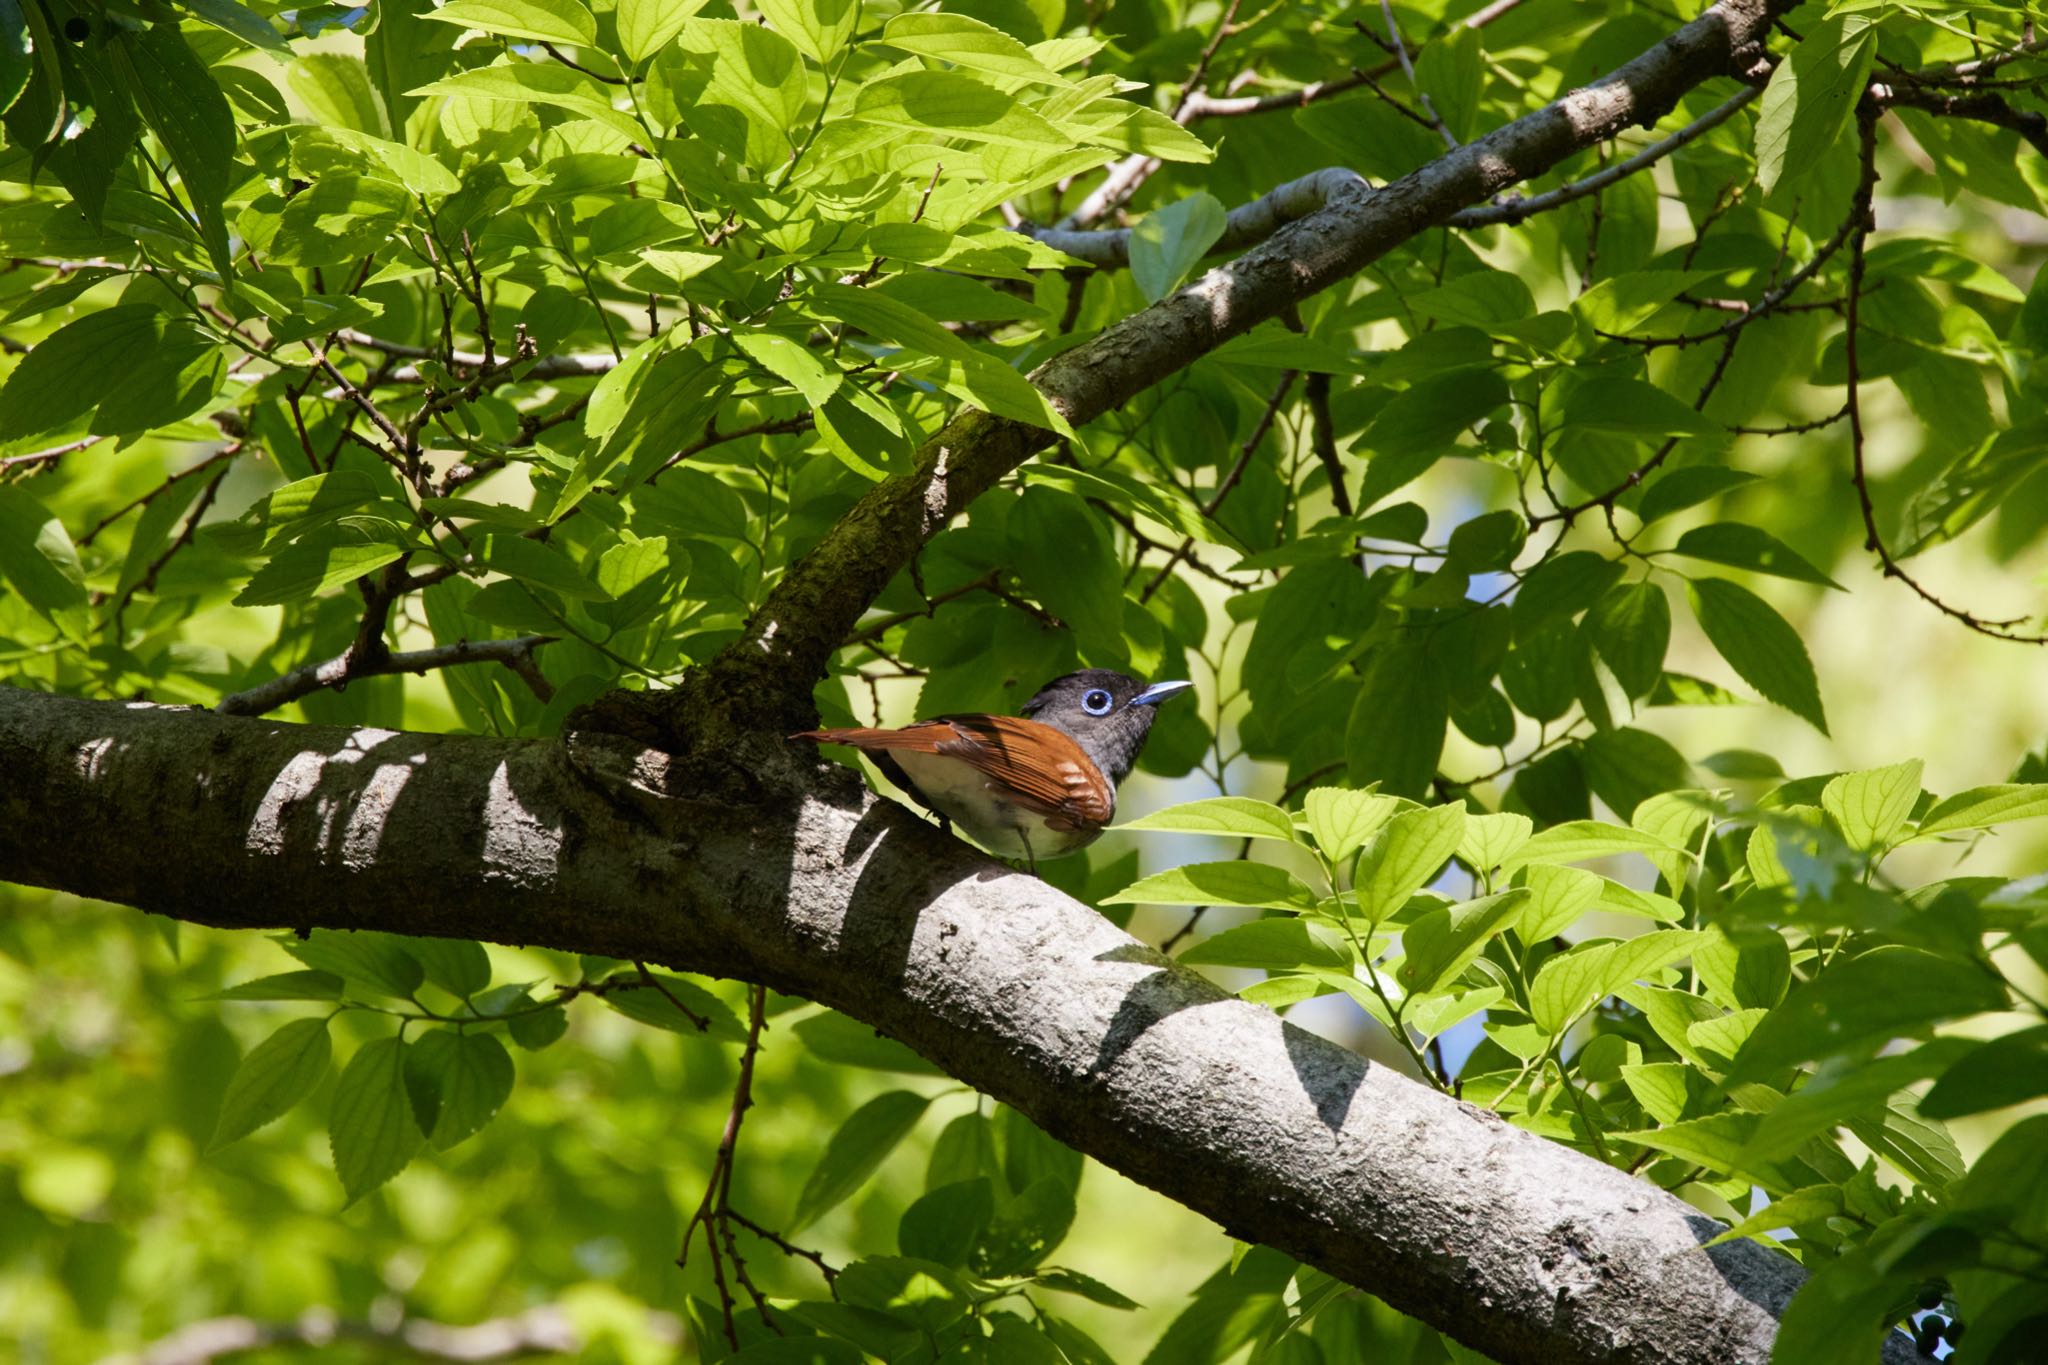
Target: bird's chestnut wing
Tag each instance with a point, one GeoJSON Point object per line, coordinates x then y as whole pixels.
{"type": "Point", "coordinates": [1042, 768]}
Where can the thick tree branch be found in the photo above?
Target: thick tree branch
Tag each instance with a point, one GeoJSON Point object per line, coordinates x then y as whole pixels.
{"type": "Point", "coordinates": [764, 678]}
{"type": "Point", "coordinates": [1522, 1248]}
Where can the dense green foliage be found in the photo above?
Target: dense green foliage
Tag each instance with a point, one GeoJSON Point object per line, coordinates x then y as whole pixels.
{"type": "Point", "coordinates": [333, 332]}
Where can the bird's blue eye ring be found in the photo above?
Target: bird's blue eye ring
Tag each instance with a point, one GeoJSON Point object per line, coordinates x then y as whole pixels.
{"type": "Point", "coordinates": [1097, 702]}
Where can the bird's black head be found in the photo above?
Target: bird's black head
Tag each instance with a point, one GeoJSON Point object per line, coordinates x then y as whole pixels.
{"type": "Point", "coordinates": [1107, 713]}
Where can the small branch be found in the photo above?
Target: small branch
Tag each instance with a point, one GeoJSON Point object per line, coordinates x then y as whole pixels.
{"type": "Point", "coordinates": [227, 452]}
{"type": "Point", "coordinates": [1519, 208]}
{"type": "Point", "coordinates": [1245, 225]}
{"type": "Point", "coordinates": [339, 671]}
{"type": "Point", "coordinates": [1254, 222]}
{"type": "Point", "coordinates": [785, 1246]}
{"type": "Point", "coordinates": [53, 453]}
{"type": "Point", "coordinates": [1193, 84]}
{"type": "Point", "coordinates": [1408, 70]}
{"type": "Point", "coordinates": [647, 978]}
{"type": "Point", "coordinates": [1859, 476]}
{"type": "Point", "coordinates": [556, 53]}
{"type": "Point", "coordinates": [1981, 107]}
{"type": "Point", "coordinates": [1969, 73]}
{"type": "Point", "coordinates": [714, 1211]}
{"type": "Point", "coordinates": [575, 366]}
{"type": "Point", "coordinates": [147, 583]}
{"type": "Point", "coordinates": [1794, 428]}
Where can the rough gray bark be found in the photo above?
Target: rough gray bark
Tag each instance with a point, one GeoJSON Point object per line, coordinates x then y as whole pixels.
{"type": "Point", "coordinates": [1519, 1247]}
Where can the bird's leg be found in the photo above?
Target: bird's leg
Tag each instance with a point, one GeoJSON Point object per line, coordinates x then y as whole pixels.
{"type": "Point", "coordinates": [1030, 860]}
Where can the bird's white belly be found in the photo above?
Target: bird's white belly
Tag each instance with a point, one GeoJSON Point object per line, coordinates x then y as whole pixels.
{"type": "Point", "coordinates": [960, 793]}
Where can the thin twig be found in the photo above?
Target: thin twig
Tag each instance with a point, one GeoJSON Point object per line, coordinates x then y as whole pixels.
{"type": "Point", "coordinates": [1519, 208]}
{"type": "Point", "coordinates": [345, 668]}
{"type": "Point", "coordinates": [1408, 70]}
{"type": "Point", "coordinates": [714, 1211]}
{"type": "Point", "coordinates": [1859, 476]}
{"type": "Point", "coordinates": [1230, 480]}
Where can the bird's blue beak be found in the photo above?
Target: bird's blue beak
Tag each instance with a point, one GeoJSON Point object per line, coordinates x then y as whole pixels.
{"type": "Point", "coordinates": [1159, 692]}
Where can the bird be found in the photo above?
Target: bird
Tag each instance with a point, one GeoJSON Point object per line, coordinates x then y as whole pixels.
{"type": "Point", "coordinates": [1039, 785]}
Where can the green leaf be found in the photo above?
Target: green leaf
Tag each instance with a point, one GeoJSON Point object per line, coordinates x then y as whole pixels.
{"type": "Point", "coordinates": [1984, 807]}
{"type": "Point", "coordinates": [1758, 645]}
{"type": "Point", "coordinates": [758, 72]}
{"type": "Point", "coordinates": [979, 377]}
{"type": "Point", "coordinates": [1990, 1075]}
{"type": "Point", "coordinates": [1626, 767]}
{"type": "Point", "coordinates": [966, 42]}
{"type": "Point", "coordinates": [539, 1029]}
{"type": "Point", "coordinates": [1227, 815]}
{"type": "Point", "coordinates": [278, 1073]}
{"type": "Point", "coordinates": [372, 1130]}
{"type": "Point", "coordinates": [1872, 806]}
{"type": "Point", "coordinates": [1573, 982]}
{"type": "Point", "coordinates": [1560, 588]}
{"type": "Point", "coordinates": [843, 1041]}
{"type": "Point", "coordinates": [1087, 1286]}
{"type": "Point", "coordinates": [946, 1223]}
{"type": "Point", "coordinates": [1843, 1090]}
{"type": "Point", "coordinates": [954, 104]}
{"type": "Point", "coordinates": [67, 373]}
{"type": "Point", "coordinates": [1275, 945]}
{"type": "Point", "coordinates": [1683, 488]}
{"type": "Point", "coordinates": [1558, 896]}
{"type": "Point", "coordinates": [1813, 1204]}
{"type": "Point", "coordinates": [468, 1074]}
{"type": "Point", "coordinates": [1869, 1000]}
{"type": "Point", "coordinates": [1621, 303]}
{"type": "Point", "coordinates": [545, 21]}
{"type": "Point", "coordinates": [1164, 503]}
{"type": "Point", "coordinates": [1232, 883]}
{"type": "Point", "coordinates": [1405, 856]}
{"type": "Point", "coordinates": [793, 363]}
{"type": "Point", "coordinates": [855, 1152]}
{"type": "Point", "coordinates": [1745, 546]}
{"type": "Point", "coordinates": [1169, 241]}
{"type": "Point", "coordinates": [1341, 821]}
{"type": "Point", "coordinates": [1751, 973]}
{"type": "Point", "coordinates": [1442, 943]}
{"type": "Point", "coordinates": [1575, 841]}
{"type": "Point", "coordinates": [1396, 730]}
{"type": "Point", "coordinates": [541, 565]}
{"type": "Point", "coordinates": [1630, 407]}
{"type": "Point", "coordinates": [1489, 839]}
{"type": "Point", "coordinates": [1806, 107]}
{"type": "Point", "coordinates": [1430, 415]}
{"type": "Point", "coordinates": [458, 966]}
{"type": "Point", "coordinates": [17, 50]}
{"type": "Point", "coordinates": [184, 107]}
{"type": "Point", "coordinates": [239, 20]}
{"type": "Point", "coordinates": [325, 559]}
{"type": "Point", "coordinates": [652, 1005]}
{"type": "Point", "coordinates": [1719, 1142]}
{"type": "Point", "coordinates": [379, 962]}
{"type": "Point", "coordinates": [37, 558]}
{"type": "Point", "coordinates": [535, 83]}
{"type": "Point", "coordinates": [647, 26]}
{"type": "Point", "coordinates": [1631, 627]}
{"type": "Point", "coordinates": [307, 985]}
{"type": "Point", "coordinates": [1062, 553]}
